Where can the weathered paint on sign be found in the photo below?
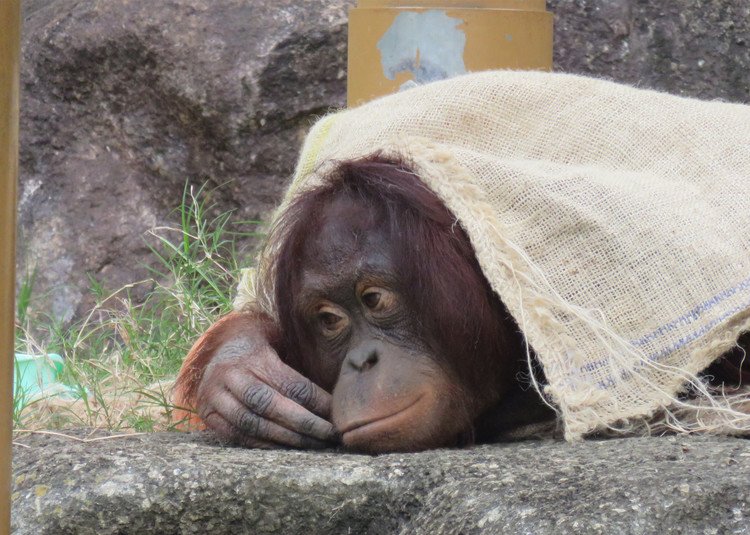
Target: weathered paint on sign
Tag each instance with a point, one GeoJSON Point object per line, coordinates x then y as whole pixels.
{"type": "Point", "coordinates": [428, 45]}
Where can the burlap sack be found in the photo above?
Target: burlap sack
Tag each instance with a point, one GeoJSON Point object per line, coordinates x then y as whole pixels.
{"type": "Point", "coordinates": [613, 222]}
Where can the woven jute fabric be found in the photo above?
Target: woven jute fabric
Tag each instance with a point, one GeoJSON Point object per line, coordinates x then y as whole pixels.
{"type": "Point", "coordinates": [613, 222]}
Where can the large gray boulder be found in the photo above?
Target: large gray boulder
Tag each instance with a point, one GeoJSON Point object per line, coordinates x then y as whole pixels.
{"type": "Point", "coordinates": [182, 484]}
{"type": "Point", "coordinates": [123, 102]}
{"type": "Point", "coordinates": [698, 48]}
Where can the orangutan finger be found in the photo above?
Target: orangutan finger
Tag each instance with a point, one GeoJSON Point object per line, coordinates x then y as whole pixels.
{"type": "Point", "coordinates": [226, 431]}
{"type": "Point", "coordinates": [301, 390]}
{"type": "Point", "coordinates": [251, 425]}
{"type": "Point", "coordinates": [268, 403]}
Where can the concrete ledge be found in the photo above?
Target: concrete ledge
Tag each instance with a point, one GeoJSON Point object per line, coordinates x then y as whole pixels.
{"type": "Point", "coordinates": [185, 484]}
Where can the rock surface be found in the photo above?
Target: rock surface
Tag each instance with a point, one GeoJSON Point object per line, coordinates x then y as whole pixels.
{"type": "Point", "coordinates": [123, 102]}
{"type": "Point", "coordinates": [182, 484]}
{"type": "Point", "coordinates": [698, 48]}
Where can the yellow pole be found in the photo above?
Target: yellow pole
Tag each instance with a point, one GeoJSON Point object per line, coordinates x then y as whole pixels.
{"type": "Point", "coordinates": [394, 44]}
{"type": "Point", "coordinates": [10, 23]}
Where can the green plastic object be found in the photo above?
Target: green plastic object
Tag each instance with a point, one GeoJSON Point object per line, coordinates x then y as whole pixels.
{"type": "Point", "coordinates": [37, 376]}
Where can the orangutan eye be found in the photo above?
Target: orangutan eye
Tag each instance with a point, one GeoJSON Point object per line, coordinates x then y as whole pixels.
{"type": "Point", "coordinates": [377, 299]}
{"type": "Point", "coordinates": [371, 299]}
{"type": "Point", "coordinates": [331, 321]}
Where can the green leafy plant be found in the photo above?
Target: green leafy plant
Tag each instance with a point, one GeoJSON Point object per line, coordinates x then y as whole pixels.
{"type": "Point", "coordinates": [121, 357]}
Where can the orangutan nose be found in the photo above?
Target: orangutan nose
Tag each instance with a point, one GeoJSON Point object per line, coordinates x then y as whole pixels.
{"type": "Point", "coordinates": [362, 359]}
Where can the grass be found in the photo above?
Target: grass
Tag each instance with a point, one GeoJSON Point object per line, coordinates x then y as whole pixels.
{"type": "Point", "coordinates": [122, 357]}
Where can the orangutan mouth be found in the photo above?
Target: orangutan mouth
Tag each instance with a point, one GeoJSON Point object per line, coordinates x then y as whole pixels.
{"type": "Point", "coordinates": [381, 423]}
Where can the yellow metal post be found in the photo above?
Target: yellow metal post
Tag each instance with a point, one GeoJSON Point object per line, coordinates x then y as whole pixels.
{"type": "Point", "coordinates": [396, 43]}
{"type": "Point", "coordinates": [10, 23]}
